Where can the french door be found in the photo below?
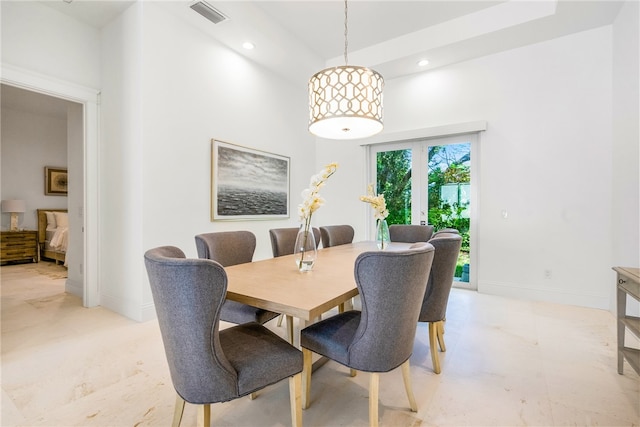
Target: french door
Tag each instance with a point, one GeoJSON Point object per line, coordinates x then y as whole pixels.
{"type": "Point", "coordinates": [432, 181]}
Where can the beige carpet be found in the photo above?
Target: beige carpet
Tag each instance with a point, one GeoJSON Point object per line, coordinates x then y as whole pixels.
{"type": "Point", "coordinates": [49, 269]}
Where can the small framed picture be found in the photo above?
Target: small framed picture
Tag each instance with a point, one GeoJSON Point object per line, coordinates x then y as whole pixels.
{"type": "Point", "coordinates": [248, 184]}
{"type": "Point", "coordinates": [55, 181]}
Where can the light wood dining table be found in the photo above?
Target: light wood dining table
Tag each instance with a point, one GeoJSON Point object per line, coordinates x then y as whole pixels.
{"type": "Point", "coordinates": [276, 284]}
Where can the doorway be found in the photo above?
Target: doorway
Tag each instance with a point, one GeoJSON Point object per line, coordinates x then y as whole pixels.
{"type": "Point", "coordinates": [86, 208]}
{"type": "Point", "coordinates": [431, 181]}
{"type": "Point", "coordinates": [43, 132]}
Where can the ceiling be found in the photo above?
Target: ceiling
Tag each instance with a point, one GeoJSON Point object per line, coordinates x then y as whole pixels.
{"type": "Point", "coordinates": [94, 13]}
{"type": "Point", "coordinates": [296, 38]}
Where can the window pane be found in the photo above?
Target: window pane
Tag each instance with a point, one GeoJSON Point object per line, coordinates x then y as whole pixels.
{"type": "Point", "coordinates": [448, 195]}
{"type": "Point", "coordinates": [394, 181]}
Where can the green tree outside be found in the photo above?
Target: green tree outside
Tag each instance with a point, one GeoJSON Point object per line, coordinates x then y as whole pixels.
{"type": "Point", "coordinates": [394, 181]}
{"type": "Point", "coordinates": [448, 164]}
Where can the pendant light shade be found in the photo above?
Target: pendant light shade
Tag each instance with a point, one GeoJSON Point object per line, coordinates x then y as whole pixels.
{"type": "Point", "coordinates": [345, 102]}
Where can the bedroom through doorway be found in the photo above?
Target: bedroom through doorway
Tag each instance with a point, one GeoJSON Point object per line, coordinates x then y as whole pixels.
{"type": "Point", "coordinates": [41, 131]}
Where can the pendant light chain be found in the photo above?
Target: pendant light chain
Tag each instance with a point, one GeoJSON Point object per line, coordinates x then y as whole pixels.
{"type": "Point", "coordinates": [346, 32]}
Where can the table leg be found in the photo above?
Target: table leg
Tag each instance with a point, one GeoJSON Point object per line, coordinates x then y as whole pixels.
{"type": "Point", "coordinates": [621, 298]}
{"type": "Point", "coordinates": [290, 329]}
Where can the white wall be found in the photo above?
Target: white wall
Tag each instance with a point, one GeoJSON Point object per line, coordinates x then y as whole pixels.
{"type": "Point", "coordinates": [75, 199]}
{"type": "Point", "coordinates": [626, 136]}
{"type": "Point", "coordinates": [120, 163]}
{"type": "Point", "coordinates": [167, 90]}
{"type": "Point", "coordinates": [545, 158]}
{"type": "Point", "coordinates": [43, 40]}
{"type": "Point", "coordinates": [626, 142]}
{"type": "Point", "coordinates": [29, 143]}
{"type": "Point", "coordinates": [343, 190]}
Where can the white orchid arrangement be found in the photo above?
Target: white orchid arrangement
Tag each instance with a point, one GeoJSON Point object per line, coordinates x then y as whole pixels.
{"type": "Point", "coordinates": [377, 202]}
{"type": "Point", "coordinates": [311, 200]}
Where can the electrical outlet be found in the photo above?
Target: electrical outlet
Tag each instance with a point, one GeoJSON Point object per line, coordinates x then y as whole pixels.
{"type": "Point", "coordinates": [547, 274]}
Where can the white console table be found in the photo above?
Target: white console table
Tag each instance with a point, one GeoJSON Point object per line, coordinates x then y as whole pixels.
{"type": "Point", "coordinates": [628, 283]}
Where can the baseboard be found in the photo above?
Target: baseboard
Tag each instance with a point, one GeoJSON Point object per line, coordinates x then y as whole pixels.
{"type": "Point", "coordinates": [513, 290]}
{"type": "Point", "coordinates": [74, 287]}
{"type": "Point", "coordinates": [139, 313]}
{"type": "Point", "coordinates": [148, 312]}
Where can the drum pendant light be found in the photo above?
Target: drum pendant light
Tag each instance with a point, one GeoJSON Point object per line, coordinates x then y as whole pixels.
{"type": "Point", "coordinates": [345, 102]}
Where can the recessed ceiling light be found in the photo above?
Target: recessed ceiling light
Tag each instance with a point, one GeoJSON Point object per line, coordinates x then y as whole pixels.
{"type": "Point", "coordinates": [423, 62]}
{"type": "Point", "coordinates": [248, 45]}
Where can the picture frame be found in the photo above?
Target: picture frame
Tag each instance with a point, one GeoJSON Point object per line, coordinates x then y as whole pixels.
{"type": "Point", "coordinates": [55, 181]}
{"type": "Point", "coordinates": [248, 184]}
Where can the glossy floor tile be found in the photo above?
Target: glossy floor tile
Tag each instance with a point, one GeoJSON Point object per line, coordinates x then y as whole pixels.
{"type": "Point", "coordinates": [508, 363]}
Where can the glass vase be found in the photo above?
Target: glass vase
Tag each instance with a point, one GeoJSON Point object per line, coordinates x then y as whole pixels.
{"type": "Point", "coordinates": [305, 251]}
{"type": "Point", "coordinates": [382, 234]}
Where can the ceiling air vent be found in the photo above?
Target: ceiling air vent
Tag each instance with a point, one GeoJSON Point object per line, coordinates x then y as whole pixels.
{"type": "Point", "coordinates": [208, 12]}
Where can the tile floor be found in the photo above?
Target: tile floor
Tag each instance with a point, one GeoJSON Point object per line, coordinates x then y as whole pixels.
{"type": "Point", "coordinates": [508, 363]}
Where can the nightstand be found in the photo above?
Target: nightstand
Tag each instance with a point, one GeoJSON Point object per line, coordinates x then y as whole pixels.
{"type": "Point", "coordinates": [18, 246]}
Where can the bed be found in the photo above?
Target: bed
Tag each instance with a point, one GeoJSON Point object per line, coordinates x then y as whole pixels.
{"type": "Point", "coordinates": [53, 234]}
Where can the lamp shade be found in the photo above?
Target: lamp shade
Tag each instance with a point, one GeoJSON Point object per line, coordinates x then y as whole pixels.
{"type": "Point", "coordinates": [14, 206]}
{"type": "Point", "coordinates": [345, 102]}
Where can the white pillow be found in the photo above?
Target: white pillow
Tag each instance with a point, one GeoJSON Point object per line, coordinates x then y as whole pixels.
{"type": "Point", "coordinates": [51, 221]}
{"type": "Point", "coordinates": [62, 219]}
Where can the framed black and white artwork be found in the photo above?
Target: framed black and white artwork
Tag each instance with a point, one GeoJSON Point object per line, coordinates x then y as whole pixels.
{"type": "Point", "coordinates": [247, 183]}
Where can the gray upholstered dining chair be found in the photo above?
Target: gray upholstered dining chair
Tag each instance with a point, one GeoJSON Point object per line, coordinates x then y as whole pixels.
{"type": "Point", "coordinates": [445, 230]}
{"type": "Point", "coordinates": [380, 337]}
{"type": "Point", "coordinates": [436, 298]}
{"type": "Point", "coordinates": [230, 248]}
{"type": "Point", "coordinates": [334, 235]}
{"type": "Point", "coordinates": [284, 239]}
{"type": "Point", "coordinates": [410, 233]}
{"type": "Point", "coordinates": [209, 365]}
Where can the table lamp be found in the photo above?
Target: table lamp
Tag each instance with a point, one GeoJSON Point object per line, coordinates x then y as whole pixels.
{"type": "Point", "coordinates": [14, 207]}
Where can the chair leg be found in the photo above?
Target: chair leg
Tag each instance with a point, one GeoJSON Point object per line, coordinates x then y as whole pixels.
{"type": "Point", "coordinates": [307, 367]}
{"type": "Point", "coordinates": [352, 372]}
{"type": "Point", "coordinates": [253, 395]}
{"type": "Point", "coordinates": [440, 331]}
{"type": "Point", "coordinates": [204, 416]}
{"type": "Point", "coordinates": [294, 397]}
{"type": "Point", "coordinates": [374, 380]}
{"type": "Point", "coordinates": [432, 346]}
{"type": "Point", "coordinates": [178, 411]}
{"type": "Point", "coordinates": [280, 320]}
{"type": "Point", "coordinates": [406, 376]}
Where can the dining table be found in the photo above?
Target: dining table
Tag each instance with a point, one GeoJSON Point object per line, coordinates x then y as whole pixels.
{"type": "Point", "coordinates": [276, 284]}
